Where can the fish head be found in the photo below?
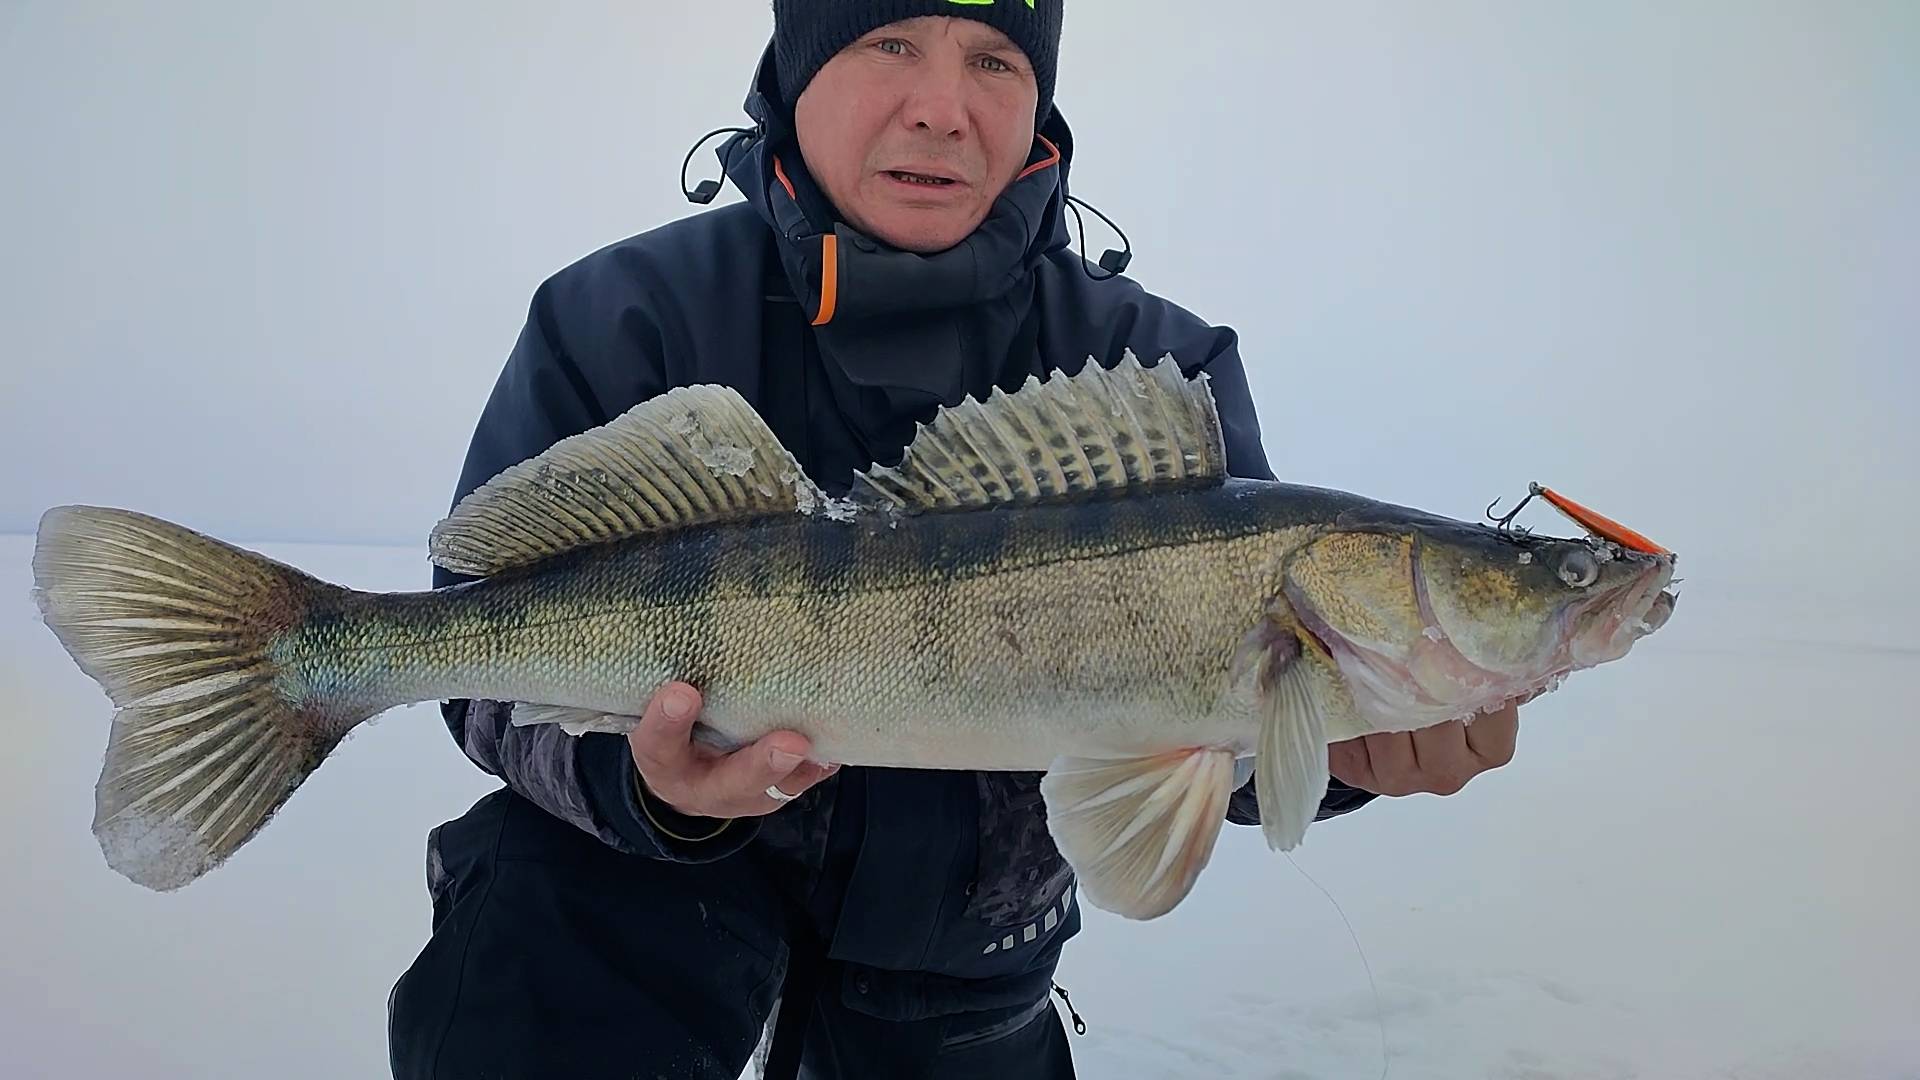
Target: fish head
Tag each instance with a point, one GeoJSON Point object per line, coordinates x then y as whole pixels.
{"type": "Point", "coordinates": [1430, 620]}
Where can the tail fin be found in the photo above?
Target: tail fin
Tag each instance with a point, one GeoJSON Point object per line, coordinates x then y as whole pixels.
{"type": "Point", "coordinates": [178, 629]}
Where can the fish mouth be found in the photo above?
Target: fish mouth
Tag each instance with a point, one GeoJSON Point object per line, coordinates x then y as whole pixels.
{"type": "Point", "coordinates": [1436, 682]}
{"type": "Point", "coordinates": [1603, 628]}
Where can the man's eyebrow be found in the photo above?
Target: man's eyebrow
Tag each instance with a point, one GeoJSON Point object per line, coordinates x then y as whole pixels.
{"type": "Point", "coordinates": [985, 40]}
{"type": "Point", "coordinates": [885, 33]}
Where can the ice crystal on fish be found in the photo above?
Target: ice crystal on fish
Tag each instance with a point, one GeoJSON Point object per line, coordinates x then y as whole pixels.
{"type": "Point", "coordinates": [805, 495]}
{"type": "Point", "coordinates": [732, 460]}
{"type": "Point", "coordinates": [809, 499]}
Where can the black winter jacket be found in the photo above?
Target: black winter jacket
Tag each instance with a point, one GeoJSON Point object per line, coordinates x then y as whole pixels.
{"type": "Point", "coordinates": [944, 882]}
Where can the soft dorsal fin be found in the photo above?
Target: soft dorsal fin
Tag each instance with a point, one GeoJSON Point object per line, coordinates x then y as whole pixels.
{"type": "Point", "coordinates": [692, 455]}
{"type": "Point", "coordinates": [1102, 429]}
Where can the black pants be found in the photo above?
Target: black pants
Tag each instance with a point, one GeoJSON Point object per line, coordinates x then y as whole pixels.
{"type": "Point", "coordinates": [554, 956]}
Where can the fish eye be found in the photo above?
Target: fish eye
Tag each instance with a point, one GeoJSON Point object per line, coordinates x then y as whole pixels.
{"type": "Point", "coordinates": [1579, 568]}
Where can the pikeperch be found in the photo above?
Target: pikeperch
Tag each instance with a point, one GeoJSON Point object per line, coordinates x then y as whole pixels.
{"type": "Point", "coordinates": [1061, 579]}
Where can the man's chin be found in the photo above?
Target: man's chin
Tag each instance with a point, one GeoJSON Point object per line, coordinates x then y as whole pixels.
{"type": "Point", "coordinates": [921, 232]}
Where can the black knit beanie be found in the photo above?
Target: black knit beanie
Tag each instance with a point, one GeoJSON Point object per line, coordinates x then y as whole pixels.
{"type": "Point", "coordinates": [808, 33]}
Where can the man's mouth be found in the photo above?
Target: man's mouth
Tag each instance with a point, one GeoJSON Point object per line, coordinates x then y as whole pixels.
{"type": "Point", "coordinates": [928, 179]}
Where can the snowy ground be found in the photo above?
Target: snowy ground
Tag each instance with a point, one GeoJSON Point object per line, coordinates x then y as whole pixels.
{"type": "Point", "coordinates": [1701, 864]}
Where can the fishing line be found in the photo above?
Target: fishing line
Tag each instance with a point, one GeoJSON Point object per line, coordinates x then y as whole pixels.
{"type": "Point", "coordinates": [1379, 1011]}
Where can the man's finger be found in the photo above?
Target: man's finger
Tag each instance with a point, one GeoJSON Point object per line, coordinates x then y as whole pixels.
{"type": "Point", "coordinates": [1445, 762]}
{"type": "Point", "coordinates": [1348, 762]}
{"type": "Point", "coordinates": [1394, 766]}
{"type": "Point", "coordinates": [1492, 737]}
{"type": "Point", "coordinates": [808, 774]}
{"type": "Point", "coordinates": [740, 780]}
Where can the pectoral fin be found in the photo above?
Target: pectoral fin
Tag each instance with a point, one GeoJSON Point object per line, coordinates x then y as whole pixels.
{"type": "Point", "coordinates": [1301, 700]}
{"type": "Point", "coordinates": [1291, 774]}
{"type": "Point", "coordinates": [1138, 831]}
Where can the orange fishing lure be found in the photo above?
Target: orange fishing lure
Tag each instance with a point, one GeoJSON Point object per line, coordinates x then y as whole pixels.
{"type": "Point", "coordinates": [1599, 524]}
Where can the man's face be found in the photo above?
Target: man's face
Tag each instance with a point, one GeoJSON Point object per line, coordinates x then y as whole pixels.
{"type": "Point", "coordinates": [915, 129]}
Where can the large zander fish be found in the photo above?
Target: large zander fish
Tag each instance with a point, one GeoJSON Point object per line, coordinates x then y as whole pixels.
{"type": "Point", "coordinates": [1061, 579]}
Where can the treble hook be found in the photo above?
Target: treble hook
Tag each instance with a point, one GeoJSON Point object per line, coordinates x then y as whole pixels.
{"type": "Point", "coordinates": [1505, 522]}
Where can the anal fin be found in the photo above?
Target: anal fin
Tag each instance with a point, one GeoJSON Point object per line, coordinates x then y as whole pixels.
{"type": "Point", "coordinates": [1138, 831]}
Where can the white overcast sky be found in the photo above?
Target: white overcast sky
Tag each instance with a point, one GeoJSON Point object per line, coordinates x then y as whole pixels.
{"type": "Point", "coordinates": [263, 262]}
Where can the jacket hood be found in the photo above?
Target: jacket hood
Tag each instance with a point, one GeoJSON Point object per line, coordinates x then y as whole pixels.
{"type": "Point", "coordinates": [897, 332]}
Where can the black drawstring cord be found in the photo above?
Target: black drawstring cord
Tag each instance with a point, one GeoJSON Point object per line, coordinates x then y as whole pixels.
{"type": "Point", "coordinates": [1113, 262]}
{"type": "Point", "coordinates": [704, 193]}
{"type": "Point", "coordinates": [1079, 1025]}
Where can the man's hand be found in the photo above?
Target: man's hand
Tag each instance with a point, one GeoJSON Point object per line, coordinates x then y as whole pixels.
{"type": "Point", "coordinates": [700, 782]}
{"type": "Point", "coordinates": [1437, 760]}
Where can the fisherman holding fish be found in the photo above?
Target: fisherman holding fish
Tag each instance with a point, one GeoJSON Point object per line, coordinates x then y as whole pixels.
{"type": "Point", "coordinates": [635, 905]}
{"type": "Point", "coordinates": [846, 585]}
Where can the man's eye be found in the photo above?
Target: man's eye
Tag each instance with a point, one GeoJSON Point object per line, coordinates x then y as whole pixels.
{"type": "Point", "coordinates": [892, 45]}
{"type": "Point", "coordinates": [994, 63]}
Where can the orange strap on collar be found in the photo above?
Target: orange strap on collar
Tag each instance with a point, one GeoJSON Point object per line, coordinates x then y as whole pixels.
{"type": "Point", "coordinates": [1048, 162]}
{"type": "Point", "coordinates": [829, 278]}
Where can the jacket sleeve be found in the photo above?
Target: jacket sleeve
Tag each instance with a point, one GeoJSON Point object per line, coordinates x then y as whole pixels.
{"type": "Point", "coordinates": [1240, 430]}
{"type": "Point", "coordinates": [541, 397]}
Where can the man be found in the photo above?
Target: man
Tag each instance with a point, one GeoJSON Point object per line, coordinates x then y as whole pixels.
{"type": "Point", "coordinates": [636, 906]}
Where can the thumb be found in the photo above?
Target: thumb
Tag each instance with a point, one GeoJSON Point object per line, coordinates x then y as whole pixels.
{"type": "Point", "coordinates": [664, 734]}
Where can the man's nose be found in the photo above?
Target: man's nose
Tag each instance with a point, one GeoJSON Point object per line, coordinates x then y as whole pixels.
{"type": "Point", "coordinates": [938, 105]}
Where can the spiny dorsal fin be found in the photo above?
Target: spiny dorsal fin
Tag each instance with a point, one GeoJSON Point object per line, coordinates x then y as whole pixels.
{"type": "Point", "coordinates": [693, 455]}
{"type": "Point", "coordinates": [1103, 429]}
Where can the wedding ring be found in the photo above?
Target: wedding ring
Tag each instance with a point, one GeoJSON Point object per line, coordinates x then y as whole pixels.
{"type": "Point", "coordinates": [774, 793]}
